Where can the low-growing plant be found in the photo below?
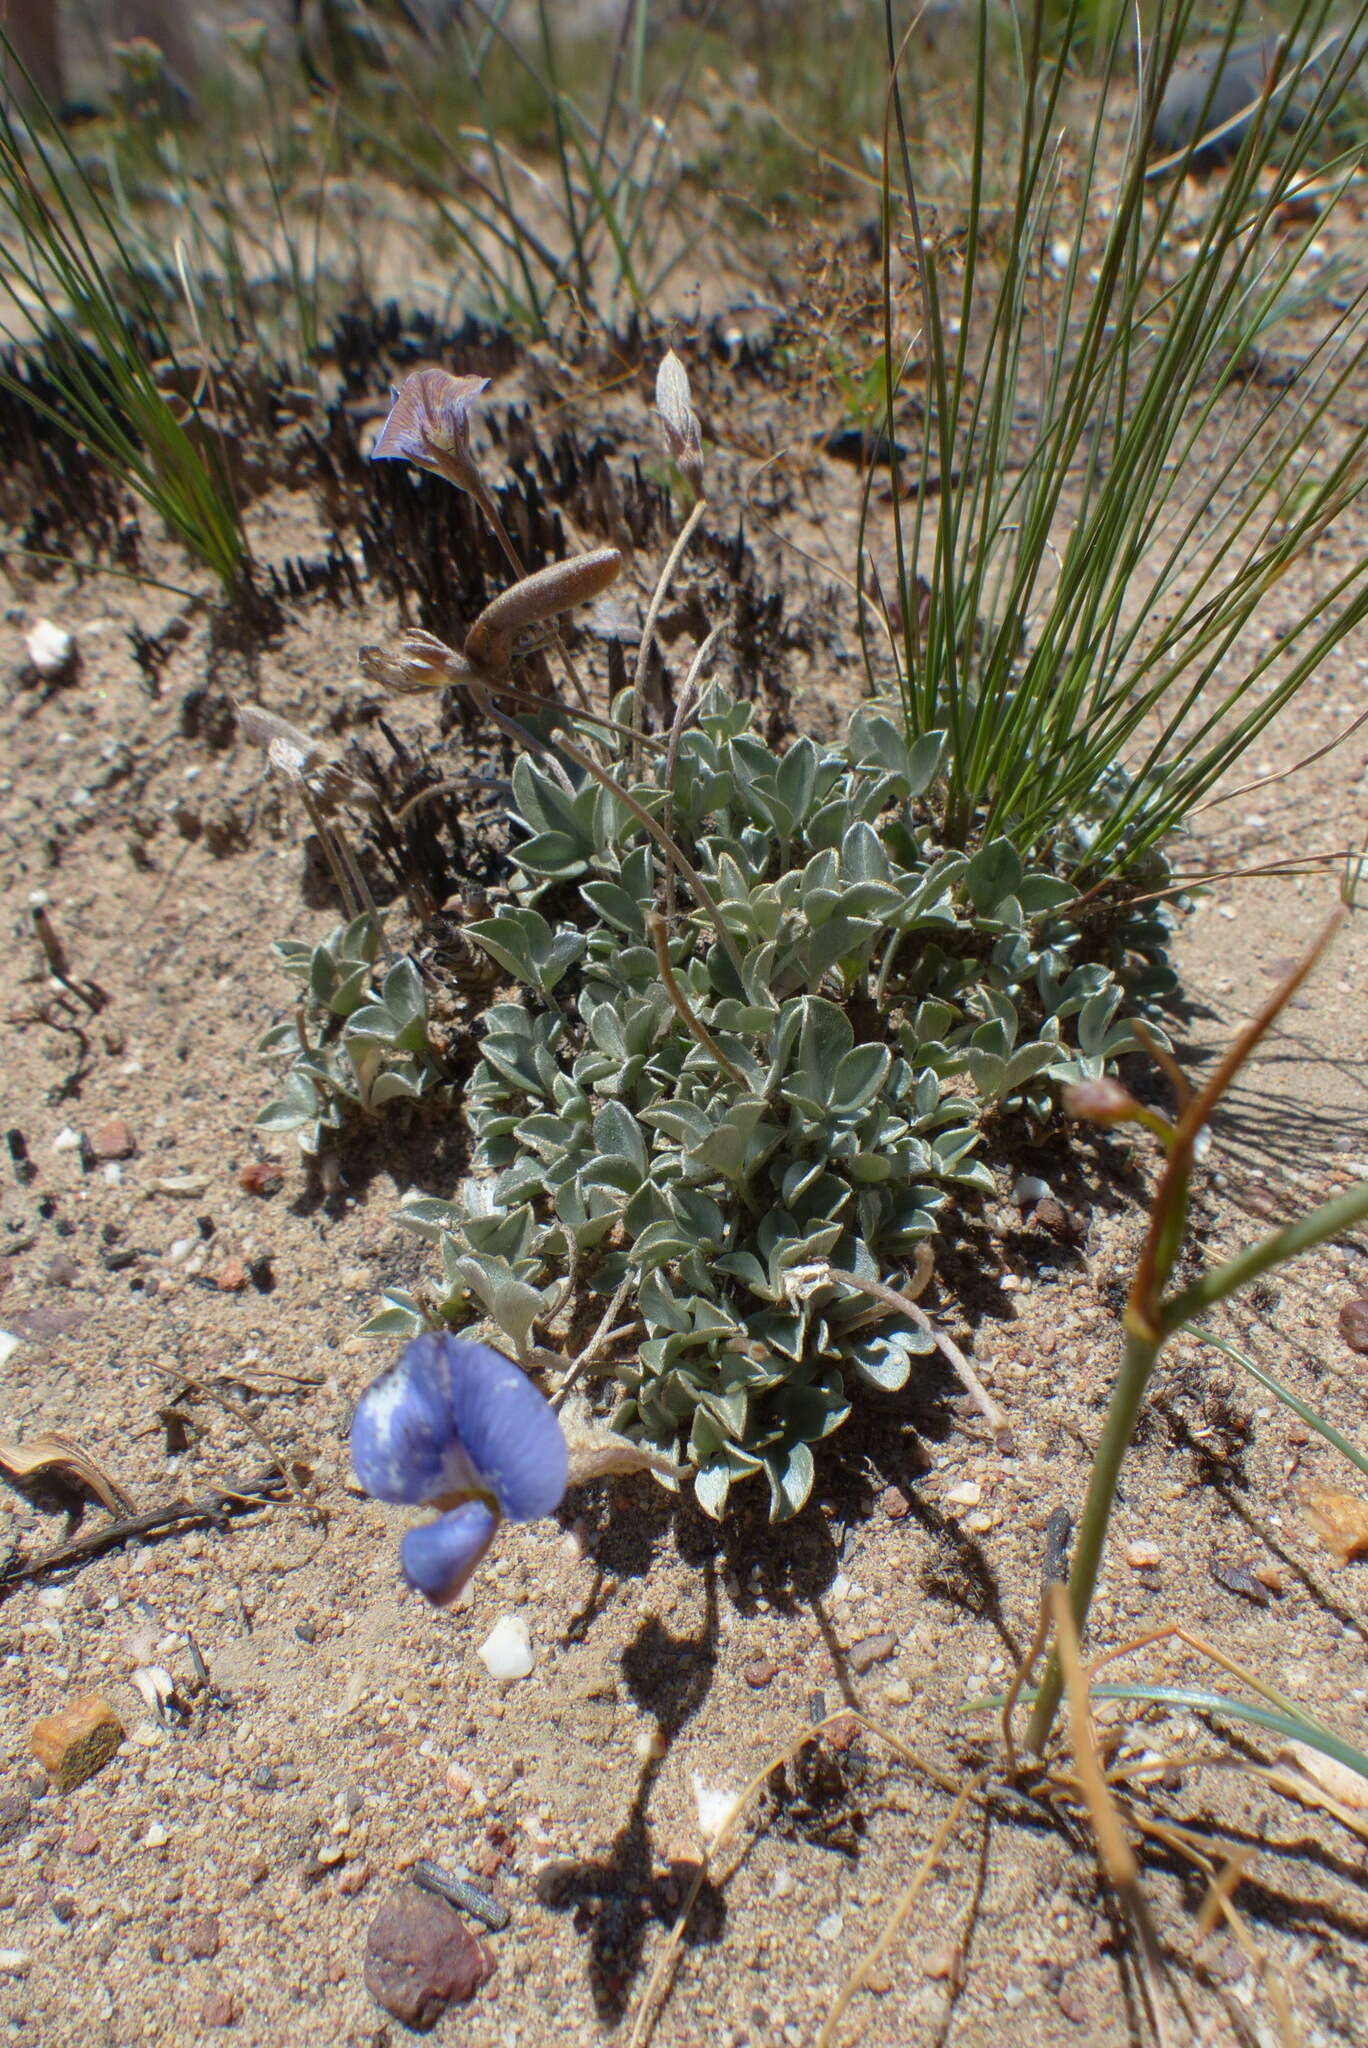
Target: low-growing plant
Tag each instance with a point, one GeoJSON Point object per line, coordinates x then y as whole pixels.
{"type": "Point", "coordinates": [1120, 1779]}
{"type": "Point", "coordinates": [701, 1116]}
{"type": "Point", "coordinates": [358, 1040]}
{"type": "Point", "coordinates": [734, 1109]}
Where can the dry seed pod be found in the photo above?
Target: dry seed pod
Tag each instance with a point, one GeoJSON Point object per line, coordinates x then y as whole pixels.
{"type": "Point", "coordinates": [301, 760]}
{"type": "Point", "coordinates": [420, 662]}
{"type": "Point", "coordinates": [557, 588]}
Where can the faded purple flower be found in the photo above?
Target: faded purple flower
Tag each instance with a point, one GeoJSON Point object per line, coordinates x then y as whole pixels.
{"type": "Point", "coordinates": [683, 435]}
{"type": "Point", "coordinates": [458, 1426]}
{"type": "Point", "coordinates": [429, 423]}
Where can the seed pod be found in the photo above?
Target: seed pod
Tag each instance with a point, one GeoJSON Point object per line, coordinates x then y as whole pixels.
{"type": "Point", "coordinates": [557, 588]}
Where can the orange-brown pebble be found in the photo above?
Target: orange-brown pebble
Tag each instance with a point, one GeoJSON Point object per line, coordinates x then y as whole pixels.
{"type": "Point", "coordinates": [73, 1745]}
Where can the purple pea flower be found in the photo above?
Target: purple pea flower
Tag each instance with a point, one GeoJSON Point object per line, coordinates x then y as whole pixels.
{"type": "Point", "coordinates": [458, 1426]}
{"type": "Point", "coordinates": [429, 423]}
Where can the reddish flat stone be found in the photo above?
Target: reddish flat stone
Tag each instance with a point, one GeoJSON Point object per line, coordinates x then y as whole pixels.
{"type": "Point", "coordinates": [421, 1957]}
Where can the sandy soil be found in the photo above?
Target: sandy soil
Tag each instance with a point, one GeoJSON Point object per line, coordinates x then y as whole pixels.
{"type": "Point", "coordinates": [221, 1872]}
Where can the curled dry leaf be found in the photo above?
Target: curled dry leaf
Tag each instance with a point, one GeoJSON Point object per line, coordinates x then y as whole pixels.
{"type": "Point", "coordinates": [1341, 1522]}
{"type": "Point", "coordinates": [65, 1460]}
{"type": "Point", "coordinates": [1342, 1785]}
{"type": "Point", "coordinates": [598, 1453]}
{"type": "Point", "coordinates": [157, 1688]}
{"type": "Point", "coordinates": [419, 662]}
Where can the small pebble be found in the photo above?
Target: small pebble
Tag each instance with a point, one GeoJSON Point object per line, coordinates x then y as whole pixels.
{"type": "Point", "coordinates": [73, 1745]}
{"type": "Point", "coordinates": [1030, 1189]}
{"type": "Point", "coordinates": [307, 1631]}
{"type": "Point", "coordinates": [50, 648]}
{"type": "Point", "coordinates": [231, 1278]}
{"type": "Point", "coordinates": [67, 1140]}
{"type": "Point", "coordinates": [1238, 1579]}
{"type": "Point", "coordinates": [263, 1177]}
{"type": "Point", "coordinates": [506, 1651]}
{"type": "Point", "coordinates": [967, 1494]}
{"type": "Point", "coordinates": [218, 2010]}
{"type": "Point", "coordinates": [114, 1139]}
{"type": "Point", "coordinates": [156, 1836]}
{"type": "Point", "coordinates": [895, 1503]}
{"type": "Point", "coordinates": [14, 1961]}
{"type": "Point", "coordinates": [759, 1671]}
{"type": "Point", "coordinates": [1353, 1324]}
{"type": "Point", "coordinates": [944, 1963]}
{"type": "Point", "coordinates": [420, 1956]}
{"type": "Point", "coordinates": [201, 1937]}
{"type": "Point", "coordinates": [84, 1841]}
{"type": "Point", "coordinates": [1143, 1557]}
{"type": "Point", "coordinates": [14, 1815]}
{"type": "Point", "coordinates": [831, 1928]}
{"type": "Point", "coordinates": [869, 1651]}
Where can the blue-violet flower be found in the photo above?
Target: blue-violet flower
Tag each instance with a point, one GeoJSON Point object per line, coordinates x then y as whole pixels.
{"type": "Point", "coordinates": [459, 1427]}
{"type": "Point", "coordinates": [429, 423]}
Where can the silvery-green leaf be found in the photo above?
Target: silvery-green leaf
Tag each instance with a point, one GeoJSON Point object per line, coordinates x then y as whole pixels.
{"type": "Point", "coordinates": [790, 1473]}
{"type": "Point", "coordinates": [859, 1076]}
{"type": "Point", "coordinates": [618, 1134]}
{"type": "Point", "coordinates": [393, 1086]}
{"type": "Point", "coordinates": [555, 855]}
{"type": "Point", "coordinates": [400, 1318]}
{"type": "Point", "coordinates": [280, 1038]}
{"type": "Point", "coordinates": [350, 992]}
{"type": "Point", "coordinates": [372, 1021]}
{"type": "Point", "coordinates": [712, 1483]}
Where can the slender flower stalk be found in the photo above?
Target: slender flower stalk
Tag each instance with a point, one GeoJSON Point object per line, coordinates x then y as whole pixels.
{"type": "Point", "coordinates": [1153, 1315]}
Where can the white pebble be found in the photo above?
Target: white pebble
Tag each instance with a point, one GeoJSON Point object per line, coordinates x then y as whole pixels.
{"type": "Point", "coordinates": [830, 1929]}
{"type": "Point", "coordinates": [156, 1836]}
{"type": "Point", "coordinates": [14, 1961]}
{"type": "Point", "coordinates": [1029, 1190]}
{"type": "Point", "coordinates": [506, 1651]}
{"type": "Point", "coordinates": [67, 1140]}
{"type": "Point", "coordinates": [715, 1808]}
{"type": "Point", "coordinates": [9, 1344]}
{"type": "Point", "coordinates": [50, 648]}
{"type": "Point", "coordinates": [181, 1249]}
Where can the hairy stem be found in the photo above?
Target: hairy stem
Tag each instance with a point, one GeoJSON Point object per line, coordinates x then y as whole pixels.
{"type": "Point", "coordinates": [658, 934]}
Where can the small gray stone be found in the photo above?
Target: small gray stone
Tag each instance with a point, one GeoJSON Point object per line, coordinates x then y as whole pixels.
{"type": "Point", "coordinates": [420, 1957]}
{"type": "Point", "coordinates": [14, 1815]}
{"type": "Point", "coordinates": [869, 1651]}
